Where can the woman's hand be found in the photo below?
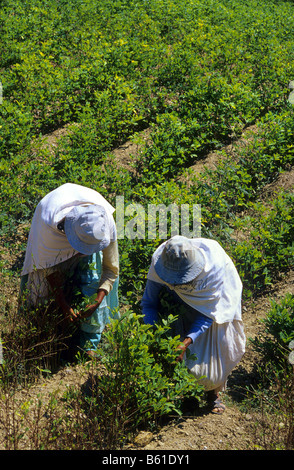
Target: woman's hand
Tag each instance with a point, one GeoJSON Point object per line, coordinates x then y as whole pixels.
{"type": "Point", "coordinates": [90, 309]}
{"type": "Point", "coordinates": [56, 282]}
{"type": "Point", "coordinates": [187, 341]}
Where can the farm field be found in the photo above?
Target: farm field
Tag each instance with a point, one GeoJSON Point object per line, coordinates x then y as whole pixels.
{"type": "Point", "coordinates": [159, 102]}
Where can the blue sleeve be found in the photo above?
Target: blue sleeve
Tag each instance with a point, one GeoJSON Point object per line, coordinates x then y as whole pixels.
{"type": "Point", "coordinates": [150, 305]}
{"type": "Point", "coordinates": [150, 302]}
{"type": "Point", "coordinates": [198, 326]}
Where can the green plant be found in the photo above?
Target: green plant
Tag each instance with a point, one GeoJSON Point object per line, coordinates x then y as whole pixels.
{"type": "Point", "coordinates": [141, 379]}
{"type": "Point", "coordinates": [273, 346]}
{"type": "Point", "coordinates": [268, 250]}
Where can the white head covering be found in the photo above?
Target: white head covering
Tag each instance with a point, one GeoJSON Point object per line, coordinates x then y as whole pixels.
{"type": "Point", "coordinates": [48, 246]}
{"type": "Point", "coordinates": [216, 291]}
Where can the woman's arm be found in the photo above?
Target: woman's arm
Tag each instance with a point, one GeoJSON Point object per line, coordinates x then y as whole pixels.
{"type": "Point", "coordinates": [150, 302]}
{"type": "Point", "coordinates": [55, 281]}
{"type": "Point", "coordinates": [110, 267]}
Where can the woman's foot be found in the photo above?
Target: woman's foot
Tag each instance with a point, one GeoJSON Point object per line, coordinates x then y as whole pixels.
{"type": "Point", "coordinates": [218, 407]}
{"type": "Point", "coordinates": [215, 403]}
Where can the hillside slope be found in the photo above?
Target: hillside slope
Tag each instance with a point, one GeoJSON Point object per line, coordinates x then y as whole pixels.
{"type": "Point", "coordinates": [198, 429]}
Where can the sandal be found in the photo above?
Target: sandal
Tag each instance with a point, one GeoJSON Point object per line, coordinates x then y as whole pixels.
{"type": "Point", "coordinates": [218, 407]}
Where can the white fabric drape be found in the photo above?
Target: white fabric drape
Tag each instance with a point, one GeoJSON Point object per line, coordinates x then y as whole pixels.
{"type": "Point", "coordinates": [47, 246]}
{"type": "Point", "coordinates": [216, 293]}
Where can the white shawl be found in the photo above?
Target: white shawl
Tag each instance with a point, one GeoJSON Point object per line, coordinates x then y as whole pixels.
{"type": "Point", "coordinates": [47, 246]}
{"type": "Point", "coordinates": [217, 291]}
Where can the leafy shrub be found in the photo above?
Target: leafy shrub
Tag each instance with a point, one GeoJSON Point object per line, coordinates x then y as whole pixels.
{"type": "Point", "coordinates": [141, 379]}
{"type": "Point", "coordinates": [269, 248]}
{"type": "Point", "coordinates": [273, 345]}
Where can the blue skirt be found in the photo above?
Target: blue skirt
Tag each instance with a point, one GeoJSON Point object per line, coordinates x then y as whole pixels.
{"type": "Point", "coordinates": [82, 277]}
{"type": "Point", "coordinates": [89, 274]}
